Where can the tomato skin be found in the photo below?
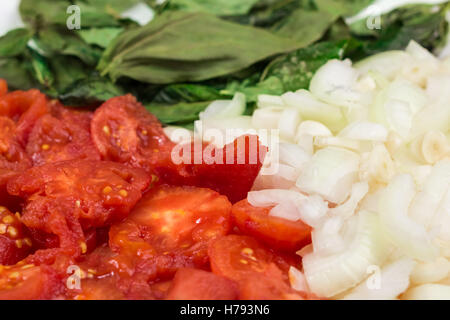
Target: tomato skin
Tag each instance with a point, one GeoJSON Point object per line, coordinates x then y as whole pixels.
{"type": "Point", "coordinates": [170, 228]}
{"type": "Point", "coordinates": [12, 155]}
{"type": "Point", "coordinates": [194, 284]}
{"type": "Point", "coordinates": [243, 260]}
{"type": "Point", "coordinates": [15, 243]}
{"type": "Point", "coordinates": [277, 233]}
{"type": "Point", "coordinates": [29, 282]}
{"type": "Point", "coordinates": [124, 131]}
{"type": "Point", "coordinates": [3, 87]}
{"type": "Point", "coordinates": [62, 135]}
{"type": "Point", "coordinates": [65, 198]}
{"type": "Point", "coordinates": [25, 108]}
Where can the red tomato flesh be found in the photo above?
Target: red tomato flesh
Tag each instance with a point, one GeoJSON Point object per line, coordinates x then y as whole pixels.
{"type": "Point", "coordinates": [278, 233]}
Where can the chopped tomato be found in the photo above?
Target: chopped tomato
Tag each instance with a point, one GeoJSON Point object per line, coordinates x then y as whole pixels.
{"type": "Point", "coordinates": [124, 131]}
{"type": "Point", "coordinates": [12, 155]}
{"type": "Point", "coordinates": [3, 87]}
{"type": "Point", "coordinates": [65, 198]}
{"type": "Point", "coordinates": [253, 267]}
{"type": "Point", "coordinates": [15, 243]}
{"type": "Point", "coordinates": [62, 135]}
{"type": "Point", "coordinates": [171, 228]}
{"type": "Point", "coordinates": [276, 232]}
{"type": "Point", "coordinates": [97, 289]}
{"type": "Point", "coordinates": [29, 282]}
{"type": "Point", "coordinates": [194, 284]}
{"type": "Point", "coordinates": [25, 108]}
{"type": "Point", "coordinates": [231, 171]}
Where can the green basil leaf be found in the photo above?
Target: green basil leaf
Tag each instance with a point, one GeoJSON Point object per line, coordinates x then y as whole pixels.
{"type": "Point", "coordinates": [14, 42]}
{"type": "Point", "coordinates": [187, 93]}
{"type": "Point", "coordinates": [180, 46]}
{"type": "Point", "coordinates": [295, 70]}
{"type": "Point", "coordinates": [345, 8]}
{"type": "Point", "coordinates": [305, 26]}
{"type": "Point", "coordinates": [271, 85]}
{"type": "Point", "coordinates": [44, 12]}
{"type": "Point", "coordinates": [17, 74]}
{"type": "Point", "coordinates": [178, 113]}
{"type": "Point", "coordinates": [217, 7]}
{"type": "Point", "coordinates": [101, 37]}
{"type": "Point", "coordinates": [90, 91]}
{"type": "Point", "coordinates": [68, 70]}
{"type": "Point", "coordinates": [41, 69]}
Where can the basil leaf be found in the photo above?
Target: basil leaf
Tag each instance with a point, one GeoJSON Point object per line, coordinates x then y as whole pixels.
{"type": "Point", "coordinates": [41, 69]}
{"type": "Point", "coordinates": [17, 74]}
{"type": "Point", "coordinates": [14, 42]}
{"type": "Point", "coordinates": [44, 12]}
{"type": "Point", "coordinates": [217, 7]}
{"type": "Point", "coordinates": [180, 46]}
{"type": "Point", "coordinates": [67, 70]}
{"type": "Point", "coordinates": [345, 8]}
{"type": "Point", "coordinates": [305, 26]}
{"type": "Point", "coordinates": [55, 41]}
{"type": "Point", "coordinates": [101, 37]}
{"type": "Point", "coordinates": [187, 93]}
{"type": "Point", "coordinates": [295, 70]}
{"type": "Point", "coordinates": [90, 91]}
{"type": "Point", "coordinates": [271, 85]}
{"type": "Point", "coordinates": [178, 113]}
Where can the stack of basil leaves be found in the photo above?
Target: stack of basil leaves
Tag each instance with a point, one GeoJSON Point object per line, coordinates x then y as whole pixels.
{"type": "Point", "coordinates": [197, 51]}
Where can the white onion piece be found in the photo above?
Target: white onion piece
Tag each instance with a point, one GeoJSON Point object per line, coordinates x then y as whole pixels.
{"type": "Point", "coordinates": [330, 173]}
{"type": "Point", "coordinates": [286, 211]}
{"type": "Point", "coordinates": [288, 123]}
{"type": "Point", "coordinates": [327, 239]}
{"type": "Point", "coordinates": [288, 172]}
{"type": "Point", "coordinates": [322, 142]}
{"type": "Point", "coordinates": [297, 280]}
{"type": "Point", "coordinates": [178, 134]}
{"type": "Point", "coordinates": [431, 147]}
{"type": "Point", "coordinates": [377, 165]}
{"type": "Point", "coordinates": [293, 155]}
{"type": "Point", "coordinates": [335, 84]}
{"type": "Point", "coordinates": [330, 275]}
{"type": "Point", "coordinates": [348, 208]}
{"type": "Point", "coordinates": [402, 231]}
{"type": "Point", "coordinates": [437, 88]}
{"type": "Point", "coordinates": [312, 109]}
{"type": "Point", "coordinates": [425, 204]}
{"type": "Point", "coordinates": [441, 221]}
{"type": "Point", "coordinates": [428, 292]}
{"type": "Point", "coordinates": [306, 132]}
{"type": "Point", "coordinates": [393, 281]}
{"type": "Point", "coordinates": [388, 63]}
{"type": "Point", "coordinates": [434, 117]}
{"type": "Point", "coordinates": [267, 118]}
{"type": "Point", "coordinates": [225, 108]}
{"type": "Point", "coordinates": [429, 272]}
{"type": "Point", "coordinates": [265, 101]}
{"type": "Point", "coordinates": [310, 209]}
{"type": "Point", "coordinates": [364, 130]}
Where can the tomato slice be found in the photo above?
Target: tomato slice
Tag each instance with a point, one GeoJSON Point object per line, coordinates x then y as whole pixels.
{"type": "Point", "coordinates": [12, 155]}
{"type": "Point", "coordinates": [25, 108]}
{"type": "Point", "coordinates": [231, 171]}
{"type": "Point", "coordinates": [253, 267]}
{"type": "Point", "coordinates": [65, 198]}
{"type": "Point", "coordinates": [278, 233]}
{"type": "Point", "coordinates": [194, 284]}
{"type": "Point", "coordinates": [171, 228]}
{"type": "Point", "coordinates": [3, 87]}
{"type": "Point", "coordinates": [62, 135]}
{"type": "Point", "coordinates": [29, 282]}
{"type": "Point", "coordinates": [124, 131]}
{"type": "Point", "coordinates": [15, 243]}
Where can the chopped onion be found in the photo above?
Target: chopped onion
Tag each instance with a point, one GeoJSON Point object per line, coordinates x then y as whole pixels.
{"type": "Point", "coordinates": [327, 239]}
{"type": "Point", "coordinates": [335, 83]}
{"type": "Point", "coordinates": [377, 166]}
{"type": "Point", "coordinates": [431, 147]}
{"type": "Point", "coordinates": [364, 130]}
{"type": "Point", "coordinates": [225, 108]}
{"type": "Point", "coordinates": [428, 292]}
{"type": "Point", "coordinates": [402, 231]}
{"type": "Point", "coordinates": [348, 208]}
{"type": "Point", "coordinates": [306, 133]}
{"type": "Point", "coordinates": [428, 272]}
{"type": "Point", "coordinates": [309, 209]}
{"type": "Point", "coordinates": [265, 101]}
{"type": "Point", "coordinates": [426, 203]}
{"type": "Point", "coordinates": [388, 63]}
{"type": "Point", "coordinates": [330, 275]}
{"type": "Point", "coordinates": [393, 281]}
{"type": "Point", "coordinates": [322, 142]}
{"type": "Point", "coordinates": [297, 280]}
{"type": "Point", "coordinates": [313, 109]}
{"type": "Point", "coordinates": [288, 123]}
{"type": "Point", "coordinates": [267, 118]}
{"type": "Point", "coordinates": [293, 155]}
{"type": "Point", "coordinates": [330, 173]}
